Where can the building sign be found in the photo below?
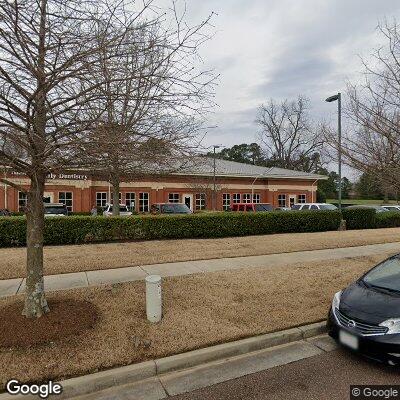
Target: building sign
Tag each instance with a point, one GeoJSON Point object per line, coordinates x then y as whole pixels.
{"type": "Point", "coordinates": [75, 177]}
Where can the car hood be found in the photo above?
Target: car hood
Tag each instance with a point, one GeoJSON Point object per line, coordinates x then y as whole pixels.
{"type": "Point", "coordinates": [369, 305]}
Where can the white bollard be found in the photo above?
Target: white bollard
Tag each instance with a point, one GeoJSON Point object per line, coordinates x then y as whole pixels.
{"type": "Point", "coordinates": [153, 298]}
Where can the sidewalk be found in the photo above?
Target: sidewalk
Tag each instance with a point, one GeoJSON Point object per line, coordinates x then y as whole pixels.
{"type": "Point", "coordinates": [10, 287]}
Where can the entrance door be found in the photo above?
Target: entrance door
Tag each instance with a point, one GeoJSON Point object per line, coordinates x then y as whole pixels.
{"type": "Point", "coordinates": [188, 200]}
{"type": "Point", "coordinates": [292, 200]}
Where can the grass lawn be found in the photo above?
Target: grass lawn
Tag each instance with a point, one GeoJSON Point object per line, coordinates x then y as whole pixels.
{"type": "Point", "coordinates": [362, 201]}
{"type": "Point", "coordinates": [63, 259]}
{"type": "Point", "coordinates": [199, 310]}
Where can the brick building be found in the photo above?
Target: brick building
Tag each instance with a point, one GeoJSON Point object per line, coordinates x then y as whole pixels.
{"type": "Point", "coordinates": [235, 182]}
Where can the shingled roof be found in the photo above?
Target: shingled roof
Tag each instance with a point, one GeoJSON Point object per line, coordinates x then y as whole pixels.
{"type": "Point", "coordinates": [204, 166]}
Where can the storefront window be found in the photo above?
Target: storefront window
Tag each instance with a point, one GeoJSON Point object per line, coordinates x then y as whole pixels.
{"type": "Point", "coordinates": [143, 202]}
{"type": "Point", "coordinates": [226, 201]}
{"type": "Point", "coordinates": [66, 198]}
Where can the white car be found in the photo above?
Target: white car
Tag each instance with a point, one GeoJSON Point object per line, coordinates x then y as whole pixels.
{"type": "Point", "coordinates": [313, 206]}
{"type": "Point", "coordinates": [123, 211]}
{"type": "Point", "coordinates": [392, 208]}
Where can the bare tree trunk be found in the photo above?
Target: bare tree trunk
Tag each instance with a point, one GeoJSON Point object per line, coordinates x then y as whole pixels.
{"type": "Point", "coordinates": [35, 300]}
{"type": "Point", "coordinates": [115, 185]}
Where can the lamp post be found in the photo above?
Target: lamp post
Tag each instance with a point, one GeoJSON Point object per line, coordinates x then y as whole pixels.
{"type": "Point", "coordinates": [214, 196]}
{"type": "Point", "coordinates": [330, 99]}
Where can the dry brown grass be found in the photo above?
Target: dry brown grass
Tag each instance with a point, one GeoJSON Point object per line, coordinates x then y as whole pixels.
{"type": "Point", "coordinates": [199, 310]}
{"type": "Point", "coordinates": [63, 259]}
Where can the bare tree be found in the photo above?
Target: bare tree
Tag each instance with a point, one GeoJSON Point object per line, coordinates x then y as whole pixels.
{"type": "Point", "coordinates": [371, 142]}
{"type": "Point", "coordinates": [288, 136]}
{"type": "Point", "coordinates": [48, 54]}
{"type": "Point", "coordinates": [154, 111]}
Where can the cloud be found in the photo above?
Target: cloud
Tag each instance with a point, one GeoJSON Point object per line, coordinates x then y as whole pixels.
{"type": "Point", "coordinates": [283, 48]}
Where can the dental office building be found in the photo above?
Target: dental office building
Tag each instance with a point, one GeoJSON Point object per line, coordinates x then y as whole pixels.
{"type": "Point", "coordinates": [234, 183]}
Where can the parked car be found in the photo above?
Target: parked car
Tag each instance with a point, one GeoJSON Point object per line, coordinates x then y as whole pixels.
{"type": "Point", "coordinates": [313, 206]}
{"type": "Point", "coordinates": [365, 317]}
{"type": "Point", "coordinates": [55, 210]}
{"type": "Point", "coordinates": [252, 207]}
{"type": "Point", "coordinates": [283, 209]}
{"type": "Point", "coordinates": [123, 211]}
{"type": "Point", "coordinates": [378, 209]}
{"type": "Point", "coordinates": [4, 213]}
{"type": "Point", "coordinates": [392, 207]}
{"type": "Point", "coordinates": [170, 208]}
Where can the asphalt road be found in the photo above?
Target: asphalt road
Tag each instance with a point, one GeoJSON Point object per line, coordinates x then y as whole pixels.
{"type": "Point", "coordinates": [327, 376]}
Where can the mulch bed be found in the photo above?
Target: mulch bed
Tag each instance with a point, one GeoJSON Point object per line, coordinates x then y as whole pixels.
{"type": "Point", "coordinates": [67, 318]}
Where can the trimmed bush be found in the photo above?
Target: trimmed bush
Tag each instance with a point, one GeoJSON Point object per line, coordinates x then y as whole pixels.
{"type": "Point", "coordinates": [359, 218]}
{"type": "Point", "coordinates": [80, 213]}
{"type": "Point", "coordinates": [82, 229]}
{"type": "Point", "coordinates": [389, 219]}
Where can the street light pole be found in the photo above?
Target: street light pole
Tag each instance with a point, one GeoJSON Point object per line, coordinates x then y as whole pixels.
{"type": "Point", "coordinates": [340, 148]}
{"type": "Point", "coordinates": [330, 99]}
{"type": "Point", "coordinates": [214, 196]}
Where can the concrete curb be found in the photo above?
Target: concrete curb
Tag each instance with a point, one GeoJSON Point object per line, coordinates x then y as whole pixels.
{"type": "Point", "coordinates": [132, 373]}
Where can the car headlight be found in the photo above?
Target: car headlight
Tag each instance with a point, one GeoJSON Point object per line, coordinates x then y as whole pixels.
{"type": "Point", "coordinates": [392, 324]}
{"type": "Point", "coordinates": [336, 300]}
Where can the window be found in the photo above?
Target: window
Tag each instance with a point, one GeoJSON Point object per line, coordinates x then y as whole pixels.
{"type": "Point", "coordinates": [101, 199]}
{"type": "Point", "coordinates": [130, 200]}
{"type": "Point", "coordinates": [143, 202]}
{"type": "Point", "coordinates": [200, 201]}
{"type": "Point", "coordinates": [66, 199]}
{"type": "Point", "coordinates": [173, 197]}
{"type": "Point", "coordinates": [256, 198]}
{"type": "Point", "coordinates": [119, 197]}
{"type": "Point", "coordinates": [314, 207]}
{"type": "Point", "coordinates": [281, 200]}
{"type": "Point", "coordinates": [236, 198]}
{"type": "Point", "coordinates": [247, 198]}
{"type": "Point", "coordinates": [306, 207]}
{"type": "Point", "coordinates": [22, 201]}
{"type": "Point", "coordinates": [226, 201]}
{"type": "Point", "coordinates": [302, 198]}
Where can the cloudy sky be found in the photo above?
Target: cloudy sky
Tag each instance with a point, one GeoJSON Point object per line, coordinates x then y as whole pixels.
{"type": "Point", "coordinates": [283, 48]}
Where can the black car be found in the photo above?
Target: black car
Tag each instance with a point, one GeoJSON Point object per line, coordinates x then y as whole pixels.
{"type": "Point", "coordinates": [170, 208]}
{"type": "Point", "coordinates": [365, 317]}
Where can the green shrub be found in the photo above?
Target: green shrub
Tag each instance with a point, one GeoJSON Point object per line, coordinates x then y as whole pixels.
{"type": "Point", "coordinates": [80, 213]}
{"type": "Point", "coordinates": [86, 229]}
{"type": "Point", "coordinates": [389, 219]}
{"type": "Point", "coordinates": [359, 218]}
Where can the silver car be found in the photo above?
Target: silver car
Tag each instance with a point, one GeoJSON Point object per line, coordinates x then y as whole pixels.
{"type": "Point", "coordinates": [313, 206]}
{"type": "Point", "coordinates": [123, 211]}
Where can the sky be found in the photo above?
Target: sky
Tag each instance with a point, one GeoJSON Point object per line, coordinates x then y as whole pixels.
{"type": "Point", "coordinates": [280, 49]}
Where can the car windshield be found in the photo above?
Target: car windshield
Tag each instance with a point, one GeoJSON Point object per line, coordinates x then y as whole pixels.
{"type": "Point", "coordinates": [263, 207]}
{"type": "Point", "coordinates": [327, 207]}
{"type": "Point", "coordinates": [121, 209]}
{"type": "Point", "coordinates": [54, 210]}
{"type": "Point", "coordinates": [386, 275]}
{"type": "Point", "coordinates": [180, 208]}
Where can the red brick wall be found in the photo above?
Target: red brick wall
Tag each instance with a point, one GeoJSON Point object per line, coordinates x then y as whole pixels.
{"type": "Point", "coordinates": [85, 197]}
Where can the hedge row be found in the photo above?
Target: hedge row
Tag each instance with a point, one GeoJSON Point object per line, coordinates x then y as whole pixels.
{"type": "Point", "coordinates": [83, 229]}
{"type": "Point", "coordinates": [359, 218]}
{"type": "Point", "coordinates": [388, 220]}
{"type": "Point", "coordinates": [367, 218]}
